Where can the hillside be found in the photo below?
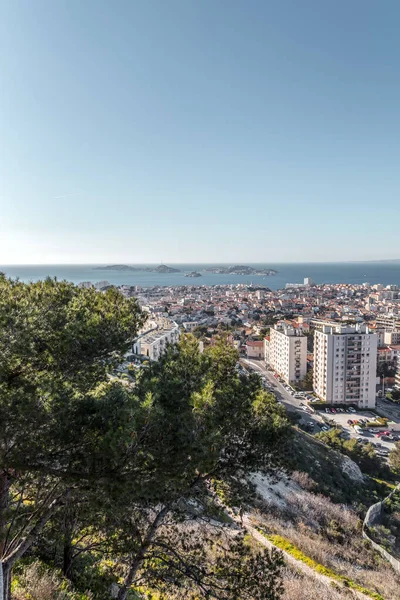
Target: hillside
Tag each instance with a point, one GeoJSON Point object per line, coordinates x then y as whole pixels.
{"type": "Point", "coordinates": [315, 512]}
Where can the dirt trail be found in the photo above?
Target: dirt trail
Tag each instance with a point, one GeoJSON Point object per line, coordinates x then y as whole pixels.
{"type": "Point", "coordinates": [298, 564]}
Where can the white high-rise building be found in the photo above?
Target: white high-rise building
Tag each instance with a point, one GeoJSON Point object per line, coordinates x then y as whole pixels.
{"type": "Point", "coordinates": [345, 364]}
{"type": "Point", "coordinates": [288, 351]}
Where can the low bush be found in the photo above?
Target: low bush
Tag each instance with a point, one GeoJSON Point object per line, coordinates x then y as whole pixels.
{"type": "Point", "coordinates": [36, 581]}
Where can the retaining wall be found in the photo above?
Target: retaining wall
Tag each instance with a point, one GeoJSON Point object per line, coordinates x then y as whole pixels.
{"type": "Point", "coordinates": [373, 516]}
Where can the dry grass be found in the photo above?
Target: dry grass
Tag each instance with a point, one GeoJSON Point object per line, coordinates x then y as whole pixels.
{"type": "Point", "coordinates": [299, 587]}
{"type": "Point", "coordinates": [330, 534]}
{"type": "Point", "coordinates": [36, 582]}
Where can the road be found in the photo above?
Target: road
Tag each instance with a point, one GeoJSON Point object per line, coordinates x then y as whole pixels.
{"type": "Point", "coordinates": [388, 409]}
{"type": "Point", "coordinates": [287, 399]}
{"type": "Point", "coordinates": [291, 403]}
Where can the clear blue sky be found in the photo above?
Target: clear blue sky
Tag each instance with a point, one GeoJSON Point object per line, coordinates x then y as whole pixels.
{"type": "Point", "coordinates": [199, 130]}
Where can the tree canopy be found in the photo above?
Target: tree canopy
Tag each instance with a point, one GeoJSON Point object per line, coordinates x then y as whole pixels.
{"type": "Point", "coordinates": [129, 474]}
{"type": "Point", "coordinates": [59, 411]}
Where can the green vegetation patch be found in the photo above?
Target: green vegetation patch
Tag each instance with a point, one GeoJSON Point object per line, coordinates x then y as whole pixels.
{"type": "Point", "coordinates": [287, 546]}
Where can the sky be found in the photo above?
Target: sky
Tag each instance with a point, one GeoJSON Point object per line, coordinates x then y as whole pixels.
{"type": "Point", "coordinates": [199, 131]}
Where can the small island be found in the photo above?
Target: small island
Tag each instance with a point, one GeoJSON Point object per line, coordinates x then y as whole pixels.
{"type": "Point", "coordinates": [163, 269]}
{"type": "Point", "coordinates": [241, 270]}
{"type": "Point", "coordinates": [116, 268]}
{"type": "Point", "coordinates": [159, 269]}
{"type": "Point", "coordinates": [193, 274]}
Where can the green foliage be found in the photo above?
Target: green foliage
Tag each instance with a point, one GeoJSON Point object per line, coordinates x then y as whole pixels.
{"type": "Point", "coordinates": [362, 454]}
{"type": "Point", "coordinates": [394, 458]}
{"type": "Point", "coordinates": [215, 568]}
{"type": "Point", "coordinates": [396, 395]}
{"type": "Point", "coordinates": [325, 467]}
{"type": "Point", "coordinates": [64, 426]}
{"type": "Point", "coordinates": [98, 477]}
{"type": "Point", "coordinates": [307, 382]}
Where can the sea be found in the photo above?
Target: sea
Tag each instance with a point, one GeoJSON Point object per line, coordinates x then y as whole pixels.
{"type": "Point", "coordinates": [386, 272]}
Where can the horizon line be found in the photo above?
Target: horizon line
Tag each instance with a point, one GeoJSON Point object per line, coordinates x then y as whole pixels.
{"type": "Point", "coordinates": [97, 264]}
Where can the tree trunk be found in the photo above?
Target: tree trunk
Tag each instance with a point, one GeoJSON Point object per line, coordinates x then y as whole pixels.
{"type": "Point", "coordinates": [130, 578]}
{"type": "Point", "coordinates": [4, 503]}
{"type": "Point", "coordinates": [140, 556]}
{"type": "Point", "coordinates": [67, 557]}
{"type": "Point", "coordinates": [5, 578]}
{"type": "Point", "coordinates": [69, 523]}
{"type": "Point", "coordinates": [5, 581]}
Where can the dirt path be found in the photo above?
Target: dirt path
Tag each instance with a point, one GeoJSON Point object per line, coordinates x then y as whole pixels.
{"type": "Point", "coordinates": [298, 564]}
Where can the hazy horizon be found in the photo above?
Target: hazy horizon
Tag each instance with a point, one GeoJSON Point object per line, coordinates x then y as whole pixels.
{"type": "Point", "coordinates": [196, 262]}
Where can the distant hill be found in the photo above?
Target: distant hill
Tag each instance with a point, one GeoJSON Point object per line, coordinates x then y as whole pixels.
{"type": "Point", "coordinates": [117, 268]}
{"type": "Point", "coordinates": [241, 270]}
{"type": "Point", "coordinates": [159, 269]}
{"type": "Point", "coordinates": [163, 269]}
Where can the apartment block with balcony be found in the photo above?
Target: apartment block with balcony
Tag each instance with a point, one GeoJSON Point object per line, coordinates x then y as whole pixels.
{"type": "Point", "coordinates": [345, 360]}
{"type": "Point", "coordinates": [288, 352]}
{"type": "Point", "coordinates": [153, 343]}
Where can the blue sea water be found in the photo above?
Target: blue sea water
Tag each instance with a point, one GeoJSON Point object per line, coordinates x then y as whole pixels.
{"type": "Point", "coordinates": [387, 272]}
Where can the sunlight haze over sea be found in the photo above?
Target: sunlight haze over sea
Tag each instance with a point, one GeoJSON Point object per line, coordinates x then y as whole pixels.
{"type": "Point", "coordinates": [387, 272]}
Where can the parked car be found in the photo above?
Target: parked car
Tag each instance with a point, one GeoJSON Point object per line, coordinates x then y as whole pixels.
{"type": "Point", "coordinates": [349, 422]}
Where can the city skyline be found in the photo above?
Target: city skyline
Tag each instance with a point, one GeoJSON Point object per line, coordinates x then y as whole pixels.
{"type": "Point", "coordinates": [200, 132]}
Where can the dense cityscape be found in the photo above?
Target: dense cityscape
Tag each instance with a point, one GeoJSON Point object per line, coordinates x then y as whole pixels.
{"type": "Point", "coordinates": [248, 313]}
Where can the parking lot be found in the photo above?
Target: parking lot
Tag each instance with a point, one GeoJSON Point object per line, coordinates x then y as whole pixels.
{"type": "Point", "coordinates": [341, 419]}
{"type": "Point", "coordinates": [317, 420]}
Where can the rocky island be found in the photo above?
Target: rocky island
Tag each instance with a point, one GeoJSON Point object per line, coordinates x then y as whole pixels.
{"type": "Point", "coordinates": [193, 274]}
{"type": "Point", "coordinates": [159, 269]}
{"type": "Point", "coordinates": [163, 269]}
{"type": "Point", "coordinates": [241, 270]}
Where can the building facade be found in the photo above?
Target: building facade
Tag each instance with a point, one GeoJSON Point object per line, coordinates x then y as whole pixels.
{"type": "Point", "coordinates": [388, 322]}
{"type": "Point", "coordinates": [345, 365]}
{"type": "Point", "coordinates": [288, 352]}
{"type": "Point", "coordinates": [255, 349]}
{"type": "Point", "coordinates": [153, 343]}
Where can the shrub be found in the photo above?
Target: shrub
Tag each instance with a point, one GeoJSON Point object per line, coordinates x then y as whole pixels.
{"type": "Point", "coordinates": [38, 582]}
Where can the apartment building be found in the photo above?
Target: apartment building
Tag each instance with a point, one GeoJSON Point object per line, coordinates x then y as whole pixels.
{"type": "Point", "coordinates": [288, 351]}
{"type": "Point", "coordinates": [345, 364]}
{"type": "Point", "coordinates": [391, 337]}
{"type": "Point", "coordinates": [154, 342]}
{"type": "Point", "coordinates": [388, 322]}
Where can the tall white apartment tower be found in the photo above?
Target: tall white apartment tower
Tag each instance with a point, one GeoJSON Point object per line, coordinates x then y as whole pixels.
{"type": "Point", "coordinates": [345, 365]}
{"type": "Point", "coordinates": [288, 351]}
